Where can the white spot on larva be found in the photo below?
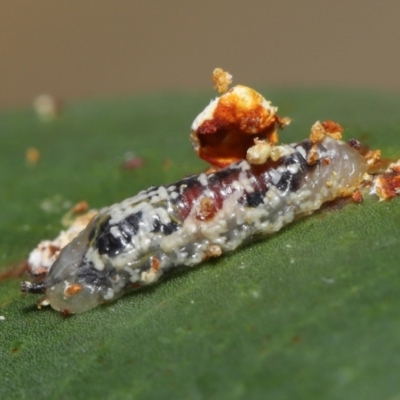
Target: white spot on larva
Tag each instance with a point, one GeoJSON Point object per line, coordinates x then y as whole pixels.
{"type": "Point", "coordinates": [149, 276]}
{"type": "Point", "coordinates": [293, 168]}
{"type": "Point", "coordinates": [182, 188]}
{"type": "Point", "coordinates": [151, 193]}
{"type": "Point", "coordinates": [115, 232]}
{"type": "Point", "coordinates": [282, 169]}
{"type": "Point", "coordinates": [302, 151]}
{"type": "Point", "coordinates": [162, 192]}
{"type": "Point", "coordinates": [134, 274]}
{"type": "Point", "coordinates": [244, 165]}
{"type": "Point", "coordinates": [245, 182]}
{"type": "Point", "coordinates": [275, 176]}
{"type": "Point", "coordinates": [93, 255]}
{"type": "Point", "coordinates": [155, 199]}
{"type": "Point", "coordinates": [164, 217]}
{"type": "Point", "coordinates": [2, 318]}
{"type": "Point", "coordinates": [202, 178]}
{"type": "Point", "coordinates": [109, 294]}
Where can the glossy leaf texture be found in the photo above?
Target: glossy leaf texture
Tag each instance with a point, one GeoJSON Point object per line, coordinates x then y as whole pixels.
{"type": "Point", "coordinates": [311, 312]}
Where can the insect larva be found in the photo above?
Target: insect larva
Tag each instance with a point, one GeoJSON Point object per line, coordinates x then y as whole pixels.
{"type": "Point", "coordinates": [136, 242]}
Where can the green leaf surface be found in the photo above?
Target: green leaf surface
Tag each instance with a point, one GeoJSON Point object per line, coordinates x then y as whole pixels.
{"type": "Point", "coordinates": [311, 312]}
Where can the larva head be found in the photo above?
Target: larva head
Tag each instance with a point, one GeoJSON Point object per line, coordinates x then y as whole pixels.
{"type": "Point", "coordinates": [73, 285]}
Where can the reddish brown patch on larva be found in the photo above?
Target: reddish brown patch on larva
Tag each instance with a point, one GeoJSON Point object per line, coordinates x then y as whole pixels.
{"type": "Point", "coordinates": [239, 117]}
{"type": "Point", "coordinates": [73, 289]}
{"type": "Point", "coordinates": [326, 161]}
{"type": "Point", "coordinates": [220, 188]}
{"type": "Point", "coordinates": [357, 197]}
{"type": "Point", "coordinates": [155, 263]}
{"type": "Point", "coordinates": [206, 209]}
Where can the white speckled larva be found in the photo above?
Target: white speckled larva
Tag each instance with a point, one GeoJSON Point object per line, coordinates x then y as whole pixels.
{"type": "Point", "coordinates": [257, 187]}
{"type": "Point", "coordinates": [136, 242]}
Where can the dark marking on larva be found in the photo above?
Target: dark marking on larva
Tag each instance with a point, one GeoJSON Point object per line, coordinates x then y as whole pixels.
{"type": "Point", "coordinates": [292, 181]}
{"type": "Point", "coordinates": [91, 234]}
{"type": "Point", "coordinates": [288, 182]}
{"type": "Point", "coordinates": [221, 176]}
{"type": "Point", "coordinates": [132, 222]}
{"type": "Point", "coordinates": [166, 229]}
{"type": "Point", "coordinates": [254, 199]}
{"type": "Point", "coordinates": [126, 231]}
{"type": "Point", "coordinates": [130, 226]}
{"type": "Point", "coordinates": [306, 145]}
{"type": "Point", "coordinates": [192, 182]}
{"type": "Point", "coordinates": [296, 158]}
{"type": "Point", "coordinates": [92, 276]}
{"type": "Point", "coordinates": [107, 243]}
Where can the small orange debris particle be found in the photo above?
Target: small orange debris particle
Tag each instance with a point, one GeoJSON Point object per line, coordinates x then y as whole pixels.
{"type": "Point", "coordinates": [133, 163]}
{"type": "Point", "coordinates": [222, 80]}
{"type": "Point", "coordinates": [80, 207]}
{"type": "Point", "coordinates": [333, 129]}
{"type": "Point", "coordinates": [213, 250]}
{"type": "Point", "coordinates": [73, 289]}
{"type": "Point", "coordinates": [32, 156]}
{"type": "Point", "coordinates": [155, 263]}
{"type": "Point", "coordinates": [318, 133]}
{"type": "Point", "coordinates": [357, 197]}
{"type": "Point", "coordinates": [206, 209]}
{"type": "Point", "coordinates": [373, 157]}
{"type": "Point", "coordinates": [313, 155]}
{"type": "Point", "coordinates": [387, 185]}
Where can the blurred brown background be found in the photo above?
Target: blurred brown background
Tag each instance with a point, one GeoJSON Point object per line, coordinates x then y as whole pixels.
{"type": "Point", "coordinates": [76, 49]}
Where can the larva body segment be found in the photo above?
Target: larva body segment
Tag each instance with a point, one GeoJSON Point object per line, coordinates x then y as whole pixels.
{"type": "Point", "coordinates": [136, 242]}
